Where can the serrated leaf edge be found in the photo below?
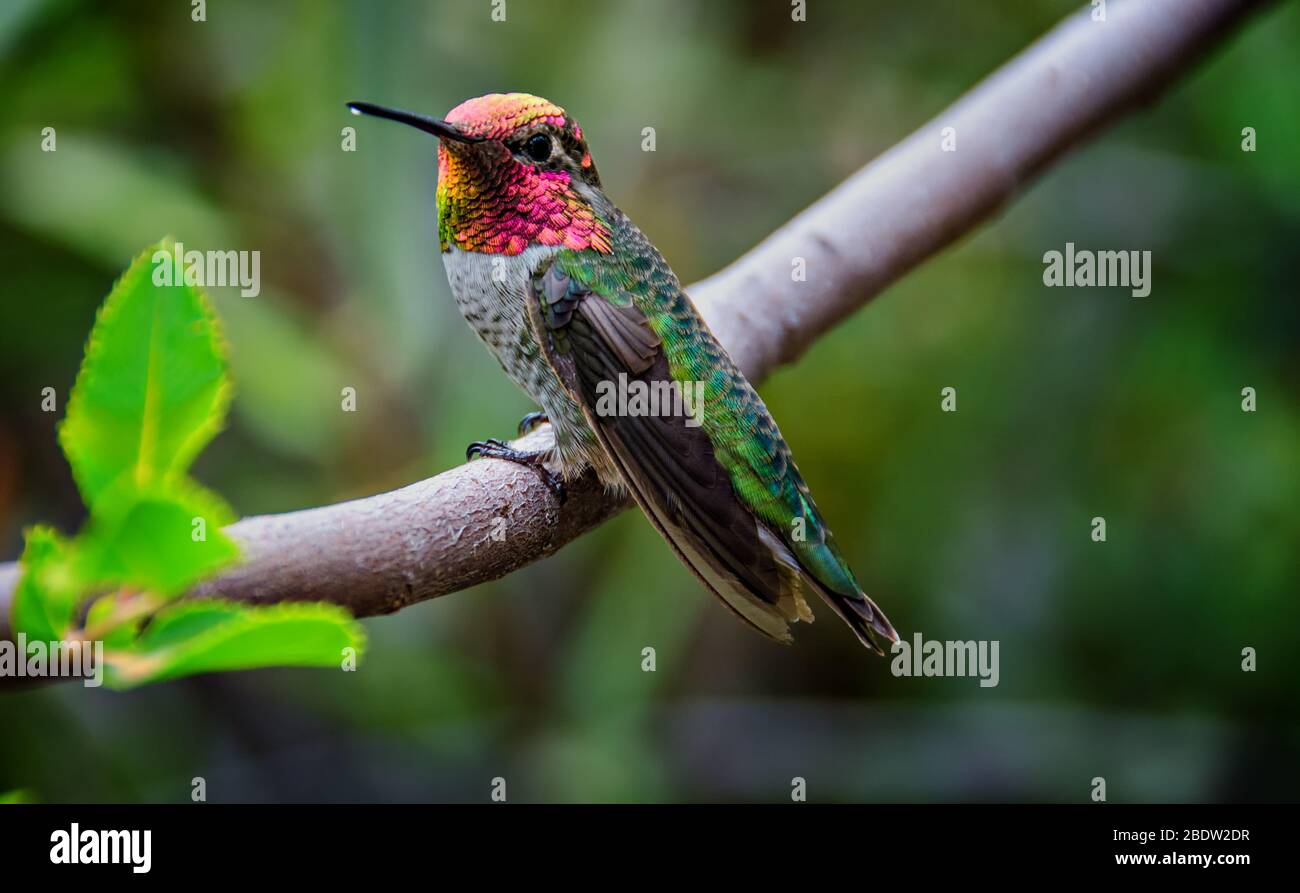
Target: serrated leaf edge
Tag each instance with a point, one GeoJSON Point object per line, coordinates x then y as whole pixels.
{"type": "Point", "coordinates": [146, 666]}
{"type": "Point", "coordinates": [204, 433]}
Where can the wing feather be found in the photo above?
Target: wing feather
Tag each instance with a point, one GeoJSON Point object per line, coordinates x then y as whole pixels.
{"type": "Point", "coordinates": [670, 465]}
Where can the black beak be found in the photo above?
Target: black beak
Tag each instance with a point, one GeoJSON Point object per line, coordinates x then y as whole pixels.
{"type": "Point", "coordinates": [436, 126]}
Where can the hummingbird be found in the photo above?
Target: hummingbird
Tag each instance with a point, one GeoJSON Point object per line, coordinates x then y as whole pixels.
{"type": "Point", "coordinates": [584, 314]}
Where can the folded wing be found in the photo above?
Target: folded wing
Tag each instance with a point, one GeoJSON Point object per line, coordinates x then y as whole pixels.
{"type": "Point", "coordinates": [681, 459]}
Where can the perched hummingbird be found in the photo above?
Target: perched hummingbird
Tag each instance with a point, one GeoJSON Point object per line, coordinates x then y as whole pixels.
{"type": "Point", "coordinates": [571, 298]}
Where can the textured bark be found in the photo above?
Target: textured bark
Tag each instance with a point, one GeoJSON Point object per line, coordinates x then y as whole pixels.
{"type": "Point", "coordinates": [378, 554]}
{"type": "Point", "coordinates": [476, 522]}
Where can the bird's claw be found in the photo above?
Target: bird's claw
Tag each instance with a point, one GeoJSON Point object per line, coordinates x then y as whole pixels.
{"type": "Point", "coordinates": [531, 421]}
{"type": "Point", "coordinates": [497, 449]}
{"type": "Point", "coordinates": [486, 448]}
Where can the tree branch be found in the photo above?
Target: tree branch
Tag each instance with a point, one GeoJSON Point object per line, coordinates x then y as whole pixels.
{"type": "Point", "coordinates": [381, 553]}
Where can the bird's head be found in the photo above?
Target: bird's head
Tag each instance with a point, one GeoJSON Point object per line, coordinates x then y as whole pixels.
{"type": "Point", "coordinates": [513, 171]}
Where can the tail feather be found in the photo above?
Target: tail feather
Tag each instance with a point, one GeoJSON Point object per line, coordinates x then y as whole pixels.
{"type": "Point", "coordinates": [863, 616]}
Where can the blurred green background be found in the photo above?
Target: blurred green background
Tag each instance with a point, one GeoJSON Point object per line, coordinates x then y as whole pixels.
{"type": "Point", "coordinates": [1120, 660]}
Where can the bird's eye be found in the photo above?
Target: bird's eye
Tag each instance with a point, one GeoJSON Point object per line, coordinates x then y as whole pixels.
{"type": "Point", "coordinates": [538, 147]}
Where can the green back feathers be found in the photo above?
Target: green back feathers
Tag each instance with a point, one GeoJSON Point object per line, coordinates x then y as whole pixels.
{"type": "Point", "coordinates": [745, 438]}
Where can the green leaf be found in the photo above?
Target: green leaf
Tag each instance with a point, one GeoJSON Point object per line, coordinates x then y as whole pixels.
{"type": "Point", "coordinates": [151, 393]}
{"type": "Point", "coordinates": [160, 539]}
{"type": "Point", "coordinates": [152, 390]}
{"type": "Point", "coordinates": [208, 635]}
{"type": "Point", "coordinates": [46, 595]}
{"type": "Point", "coordinates": [110, 620]}
{"type": "Point", "coordinates": [17, 796]}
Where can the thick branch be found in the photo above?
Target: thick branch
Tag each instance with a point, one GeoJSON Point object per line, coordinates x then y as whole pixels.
{"type": "Point", "coordinates": [378, 554]}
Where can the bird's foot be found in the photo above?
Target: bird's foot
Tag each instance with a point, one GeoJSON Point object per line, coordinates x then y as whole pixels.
{"type": "Point", "coordinates": [531, 421]}
{"type": "Point", "coordinates": [534, 459]}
